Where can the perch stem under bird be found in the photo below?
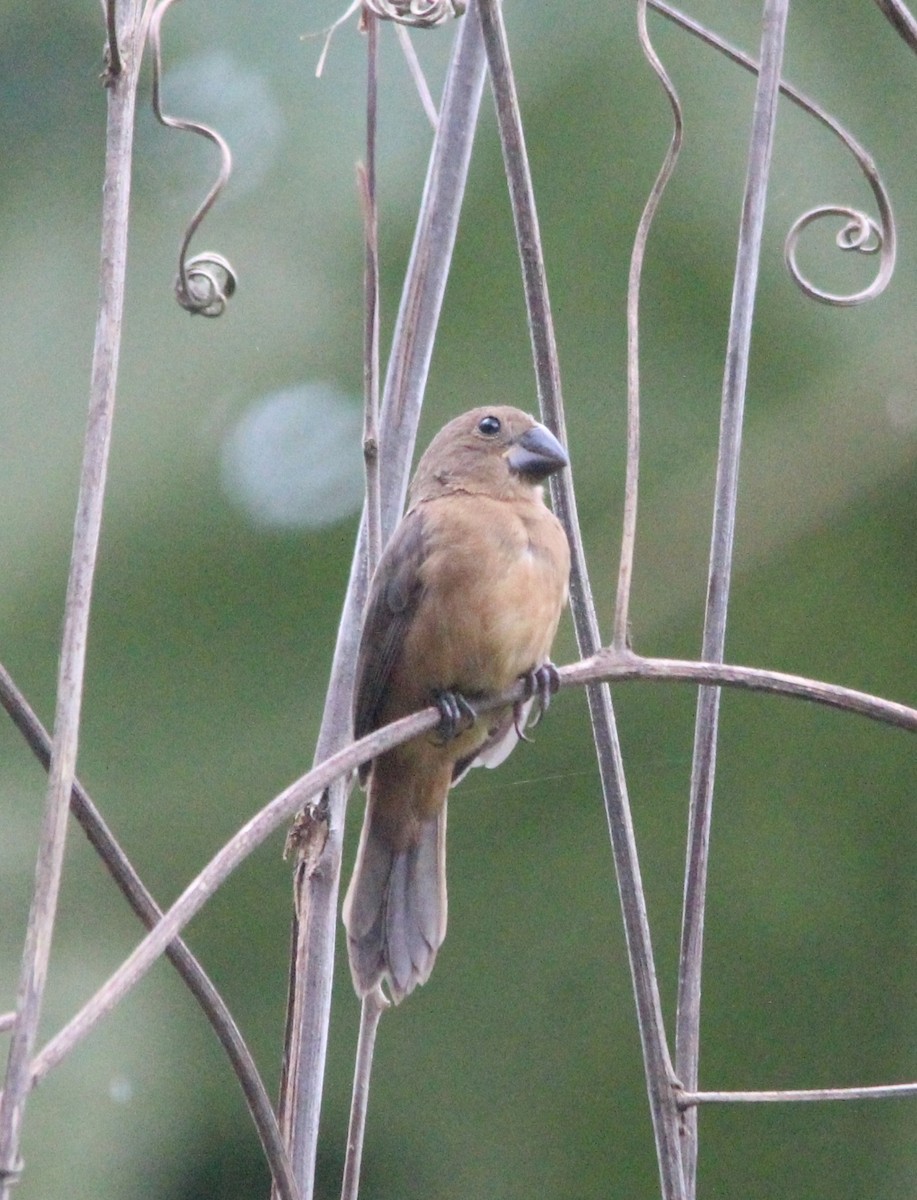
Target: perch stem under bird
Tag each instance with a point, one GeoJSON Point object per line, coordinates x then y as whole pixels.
{"type": "Point", "coordinates": [466, 599]}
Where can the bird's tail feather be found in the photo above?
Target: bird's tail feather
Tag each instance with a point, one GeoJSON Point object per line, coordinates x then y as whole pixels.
{"type": "Point", "coordinates": [395, 908]}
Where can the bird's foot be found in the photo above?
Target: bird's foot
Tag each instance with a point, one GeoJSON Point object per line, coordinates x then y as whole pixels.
{"type": "Point", "coordinates": [540, 683]}
{"type": "Point", "coordinates": [455, 715]}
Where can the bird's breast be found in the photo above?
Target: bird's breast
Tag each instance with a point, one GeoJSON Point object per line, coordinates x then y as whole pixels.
{"type": "Point", "coordinates": [494, 585]}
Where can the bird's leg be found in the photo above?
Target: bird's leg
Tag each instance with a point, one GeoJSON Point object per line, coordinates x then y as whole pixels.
{"type": "Point", "coordinates": [455, 714]}
{"type": "Point", "coordinates": [541, 682]}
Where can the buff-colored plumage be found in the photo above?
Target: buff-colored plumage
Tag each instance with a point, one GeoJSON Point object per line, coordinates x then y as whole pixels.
{"type": "Point", "coordinates": [466, 599]}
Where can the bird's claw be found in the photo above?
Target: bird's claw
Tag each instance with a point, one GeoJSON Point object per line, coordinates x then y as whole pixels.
{"type": "Point", "coordinates": [541, 683]}
{"type": "Point", "coordinates": [455, 715]}
{"type": "Point", "coordinates": [519, 715]}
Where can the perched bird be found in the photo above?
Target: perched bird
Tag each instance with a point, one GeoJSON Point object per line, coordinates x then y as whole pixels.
{"type": "Point", "coordinates": [465, 600]}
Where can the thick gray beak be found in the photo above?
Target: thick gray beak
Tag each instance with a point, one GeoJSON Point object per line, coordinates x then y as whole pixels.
{"type": "Point", "coordinates": [536, 454]}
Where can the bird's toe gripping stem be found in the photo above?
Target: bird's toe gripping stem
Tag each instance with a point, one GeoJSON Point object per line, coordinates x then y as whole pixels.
{"type": "Point", "coordinates": [455, 715]}
{"type": "Point", "coordinates": [540, 683]}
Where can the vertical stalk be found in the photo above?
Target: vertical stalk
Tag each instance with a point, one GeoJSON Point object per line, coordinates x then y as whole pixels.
{"type": "Point", "coordinates": [121, 94]}
{"type": "Point", "coordinates": [141, 901]}
{"type": "Point", "coordinates": [632, 475]}
{"type": "Point", "coordinates": [687, 1032]}
{"type": "Point", "coordinates": [367, 177]}
{"type": "Point", "coordinates": [317, 876]}
{"type": "Point", "coordinates": [657, 1064]}
{"type": "Point", "coordinates": [374, 1005]}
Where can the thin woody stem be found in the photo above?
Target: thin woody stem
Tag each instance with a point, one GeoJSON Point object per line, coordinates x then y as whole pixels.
{"type": "Point", "coordinates": [373, 1006]}
{"type": "Point", "coordinates": [687, 1030]}
{"type": "Point", "coordinates": [141, 901]}
{"type": "Point", "coordinates": [317, 874]}
{"type": "Point", "coordinates": [367, 180]}
{"type": "Point", "coordinates": [881, 1091]}
{"type": "Point", "coordinates": [629, 530]}
{"type": "Point", "coordinates": [659, 1074]}
{"type": "Point", "coordinates": [114, 65]}
{"type": "Point", "coordinates": [606, 666]}
{"type": "Point", "coordinates": [121, 96]}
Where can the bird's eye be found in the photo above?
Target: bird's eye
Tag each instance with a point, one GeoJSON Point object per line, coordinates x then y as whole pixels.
{"type": "Point", "coordinates": [489, 426]}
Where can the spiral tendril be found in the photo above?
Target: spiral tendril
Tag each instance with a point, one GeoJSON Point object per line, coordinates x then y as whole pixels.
{"type": "Point", "coordinates": [207, 284]}
{"type": "Point", "coordinates": [421, 14]}
{"type": "Point", "coordinates": [204, 283]}
{"type": "Point", "coordinates": [861, 232]}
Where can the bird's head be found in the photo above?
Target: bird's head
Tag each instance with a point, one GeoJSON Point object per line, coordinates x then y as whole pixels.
{"type": "Point", "coordinates": [497, 450]}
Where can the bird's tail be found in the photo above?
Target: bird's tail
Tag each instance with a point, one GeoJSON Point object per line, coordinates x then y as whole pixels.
{"type": "Point", "coordinates": [395, 907]}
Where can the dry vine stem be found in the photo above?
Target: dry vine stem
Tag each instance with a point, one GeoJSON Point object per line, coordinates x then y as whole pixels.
{"type": "Point", "coordinates": [374, 1004]}
{"type": "Point", "coordinates": [316, 878]}
{"type": "Point", "coordinates": [190, 970]}
{"type": "Point", "coordinates": [660, 1077]}
{"type": "Point", "coordinates": [632, 470]}
{"type": "Point", "coordinates": [608, 665]}
{"type": "Point", "coordinates": [317, 872]}
{"type": "Point", "coordinates": [687, 1024]}
{"type": "Point", "coordinates": [203, 284]}
{"type": "Point", "coordinates": [861, 229]}
{"type": "Point", "coordinates": [125, 21]}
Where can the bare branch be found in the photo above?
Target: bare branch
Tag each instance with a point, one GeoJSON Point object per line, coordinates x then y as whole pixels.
{"type": "Point", "coordinates": [901, 19]}
{"type": "Point", "coordinates": [616, 667]}
{"type": "Point", "coordinates": [113, 64]}
{"type": "Point", "coordinates": [687, 1034]}
{"type": "Point", "coordinates": [885, 1091]}
{"type": "Point", "coordinates": [420, 80]}
{"type": "Point", "coordinates": [141, 901]}
{"type": "Point", "coordinates": [220, 867]}
{"type": "Point", "coordinates": [367, 181]}
{"type": "Point", "coordinates": [374, 1005]}
{"type": "Point", "coordinates": [659, 1073]}
{"type": "Point", "coordinates": [629, 532]}
{"type": "Point", "coordinates": [316, 881]}
{"type": "Point", "coordinates": [608, 665]}
{"type": "Point", "coordinates": [121, 97]}
{"type": "Point", "coordinates": [330, 32]}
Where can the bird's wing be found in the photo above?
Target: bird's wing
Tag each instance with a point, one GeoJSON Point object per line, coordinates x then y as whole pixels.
{"type": "Point", "coordinates": [393, 599]}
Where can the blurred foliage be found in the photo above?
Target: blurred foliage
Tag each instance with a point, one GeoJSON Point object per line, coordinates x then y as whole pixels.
{"type": "Point", "coordinates": [516, 1071]}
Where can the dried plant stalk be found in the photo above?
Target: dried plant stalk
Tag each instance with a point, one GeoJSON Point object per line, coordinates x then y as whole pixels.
{"type": "Point", "coordinates": [687, 1030]}
{"type": "Point", "coordinates": [121, 94]}
{"type": "Point", "coordinates": [659, 1074]}
{"type": "Point", "coordinates": [605, 666]}
{"type": "Point", "coordinates": [389, 442]}
{"type": "Point", "coordinates": [317, 877]}
{"type": "Point", "coordinates": [141, 901]}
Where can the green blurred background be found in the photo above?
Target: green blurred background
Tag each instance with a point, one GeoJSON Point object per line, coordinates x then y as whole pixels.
{"type": "Point", "coordinates": [233, 493]}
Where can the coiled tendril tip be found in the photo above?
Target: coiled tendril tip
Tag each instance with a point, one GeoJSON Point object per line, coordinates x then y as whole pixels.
{"type": "Point", "coordinates": [860, 233]}
{"type": "Point", "coordinates": [422, 14]}
{"type": "Point", "coordinates": [204, 284]}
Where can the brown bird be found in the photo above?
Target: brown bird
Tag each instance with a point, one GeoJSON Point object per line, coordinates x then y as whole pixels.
{"type": "Point", "coordinates": [465, 600]}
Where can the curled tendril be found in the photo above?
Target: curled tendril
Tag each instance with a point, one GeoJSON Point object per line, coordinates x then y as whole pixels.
{"type": "Point", "coordinates": [207, 284]}
{"type": "Point", "coordinates": [861, 232]}
{"type": "Point", "coordinates": [204, 283]}
{"type": "Point", "coordinates": [421, 14]}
